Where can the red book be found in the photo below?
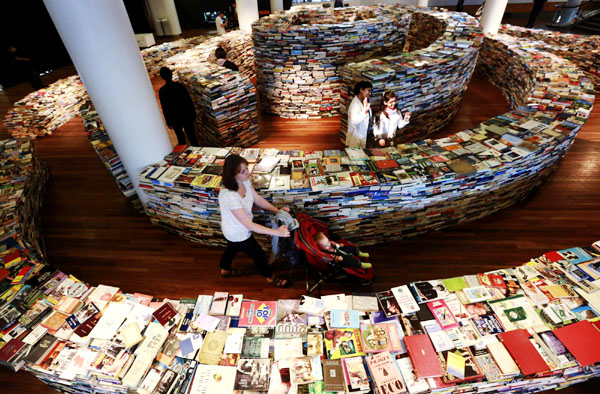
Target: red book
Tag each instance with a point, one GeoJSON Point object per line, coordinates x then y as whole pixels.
{"type": "Point", "coordinates": [423, 356]}
{"type": "Point", "coordinates": [582, 339]}
{"type": "Point", "coordinates": [10, 349]}
{"type": "Point", "coordinates": [165, 313]}
{"type": "Point", "coordinates": [523, 352]}
{"type": "Point", "coordinates": [389, 163]}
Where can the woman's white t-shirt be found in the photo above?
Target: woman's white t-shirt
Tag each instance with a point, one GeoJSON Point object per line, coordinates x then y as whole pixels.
{"type": "Point", "coordinates": [229, 200]}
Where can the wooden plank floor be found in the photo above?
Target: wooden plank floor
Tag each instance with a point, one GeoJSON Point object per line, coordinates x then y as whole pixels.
{"type": "Point", "coordinates": [91, 232]}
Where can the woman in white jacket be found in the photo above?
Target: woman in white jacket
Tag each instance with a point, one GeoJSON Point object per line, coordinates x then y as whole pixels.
{"type": "Point", "coordinates": [359, 115]}
{"type": "Point", "coordinates": [388, 119]}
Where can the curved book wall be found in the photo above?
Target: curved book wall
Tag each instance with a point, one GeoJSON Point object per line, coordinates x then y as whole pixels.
{"type": "Point", "coordinates": [527, 328]}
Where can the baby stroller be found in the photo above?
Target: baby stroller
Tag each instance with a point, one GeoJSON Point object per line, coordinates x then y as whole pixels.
{"type": "Point", "coordinates": [323, 262]}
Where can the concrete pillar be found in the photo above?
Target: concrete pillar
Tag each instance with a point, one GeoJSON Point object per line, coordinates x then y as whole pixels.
{"type": "Point", "coordinates": [422, 3]}
{"type": "Point", "coordinates": [491, 18]}
{"type": "Point", "coordinates": [276, 5]}
{"type": "Point", "coordinates": [247, 12]}
{"type": "Point", "coordinates": [101, 43]}
{"type": "Point", "coordinates": [164, 17]}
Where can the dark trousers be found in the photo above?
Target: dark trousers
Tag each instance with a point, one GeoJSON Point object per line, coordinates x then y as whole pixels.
{"type": "Point", "coordinates": [538, 6]}
{"type": "Point", "coordinates": [252, 250]}
{"type": "Point", "coordinates": [189, 130]}
{"type": "Point", "coordinates": [348, 254]}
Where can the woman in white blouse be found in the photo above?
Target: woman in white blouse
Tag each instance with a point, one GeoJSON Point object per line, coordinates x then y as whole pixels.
{"type": "Point", "coordinates": [236, 199]}
{"type": "Point", "coordinates": [388, 119]}
{"type": "Point", "coordinates": [359, 115]}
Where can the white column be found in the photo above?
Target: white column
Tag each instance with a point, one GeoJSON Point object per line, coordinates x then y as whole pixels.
{"type": "Point", "coordinates": [164, 17]}
{"type": "Point", "coordinates": [491, 18]}
{"type": "Point", "coordinates": [247, 12]}
{"type": "Point", "coordinates": [100, 41]}
{"type": "Point", "coordinates": [422, 3]}
{"type": "Point", "coordinates": [276, 5]}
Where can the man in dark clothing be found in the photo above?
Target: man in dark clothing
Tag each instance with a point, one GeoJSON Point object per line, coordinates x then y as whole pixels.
{"type": "Point", "coordinates": [21, 61]}
{"type": "Point", "coordinates": [178, 108]}
{"type": "Point", "coordinates": [538, 6]}
{"type": "Point", "coordinates": [221, 55]}
{"type": "Point", "coordinates": [338, 4]}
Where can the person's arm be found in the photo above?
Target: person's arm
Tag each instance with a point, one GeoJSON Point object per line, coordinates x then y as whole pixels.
{"type": "Point", "coordinates": [403, 120]}
{"type": "Point", "coordinates": [166, 107]}
{"type": "Point", "coordinates": [264, 204]}
{"type": "Point", "coordinates": [357, 114]}
{"type": "Point", "coordinates": [242, 217]}
{"type": "Point", "coordinates": [378, 127]}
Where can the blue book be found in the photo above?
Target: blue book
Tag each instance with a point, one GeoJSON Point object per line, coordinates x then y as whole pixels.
{"type": "Point", "coordinates": [344, 318]}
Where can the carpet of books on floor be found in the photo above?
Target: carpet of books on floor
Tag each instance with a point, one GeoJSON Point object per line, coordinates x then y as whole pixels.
{"type": "Point", "coordinates": [299, 52]}
{"type": "Point", "coordinates": [225, 100]}
{"type": "Point", "coordinates": [428, 82]}
{"type": "Point", "coordinates": [105, 150]}
{"type": "Point", "coordinates": [516, 330]}
{"type": "Point", "coordinates": [392, 193]}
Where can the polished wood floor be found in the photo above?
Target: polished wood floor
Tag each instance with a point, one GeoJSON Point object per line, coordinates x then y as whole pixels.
{"type": "Point", "coordinates": [91, 232]}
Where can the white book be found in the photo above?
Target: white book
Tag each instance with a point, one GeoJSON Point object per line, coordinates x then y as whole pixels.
{"type": "Point", "coordinates": [112, 318]}
{"type": "Point", "coordinates": [35, 335]}
{"type": "Point", "coordinates": [203, 304]}
{"type": "Point", "coordinates": [440, 339]}
{"type": "Point", "coordinates": [169, 176]}
{"type": "Point", "coordinates": [335, 301]}
{"type": "Point", "coordinates": [78, 366]}
{"type": "Point", "coordinates": [219, 304]}
{"type": "Point", "coordinates": [266, 164]}
{"type": "Point", "coordinates": [405, 299]}
{"type": "Point", "coordinates": [414, 385]}
{"type": "Point", "coordinates": [210, 379]}
{"type": "Point", "coordinates": [235, 340]}
{"type": "Point", "coordinates": [286, 349]}
{"type": "Point", "coordinates": [314, 306]}
{"type": "Point", "coordinates": [477, 294]}
{"type": "Point", "coordinates": [234, 305]}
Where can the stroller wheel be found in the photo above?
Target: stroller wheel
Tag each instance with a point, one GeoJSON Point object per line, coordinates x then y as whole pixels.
{"type": "Point", "coordinates": [365, 282]}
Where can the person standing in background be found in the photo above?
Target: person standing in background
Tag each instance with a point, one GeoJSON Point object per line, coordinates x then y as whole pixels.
{"type": "Point", "coordinates": [178, 108]}
{"type": "Point", "coordinates": [21, 61]}
{"type": "Point", "coordinates": [359, 115]}
{"type": "Point", "coordinates": [221, 23]}
{"type": "Point", "coordinates": [538, 6]}
{"type": "Point", "coordinates": [338, 4]}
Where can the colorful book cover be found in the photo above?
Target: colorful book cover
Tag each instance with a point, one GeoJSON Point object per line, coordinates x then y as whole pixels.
{"type": "Point", "coordinates": [443, 314]}
{"type": "Point", "coordinates": [341, 343]}
{"type": "Point", "coordinates": [258, 313]}
{"type": "Point", "coordinates": [355, 374]}
{"type": "Point", "coordinates": [385, 374]}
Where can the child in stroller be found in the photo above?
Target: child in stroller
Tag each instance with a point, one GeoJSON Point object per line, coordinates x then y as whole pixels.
{"type": "Point", "coordinates": [326, 262]}
{"type": "Point", "coordinates": [347, 255]}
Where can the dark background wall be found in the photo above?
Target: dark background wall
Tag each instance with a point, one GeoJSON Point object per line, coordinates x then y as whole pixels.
{"type": "Point", "coordinates": [27, 24]}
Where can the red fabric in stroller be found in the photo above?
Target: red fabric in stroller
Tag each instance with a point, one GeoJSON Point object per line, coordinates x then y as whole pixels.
{"type": "Point", "coordinates": [303, 239]}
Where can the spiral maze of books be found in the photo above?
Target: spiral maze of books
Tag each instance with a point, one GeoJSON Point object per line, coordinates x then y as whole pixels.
{"type": "Point", "coordinates": [299, 53]}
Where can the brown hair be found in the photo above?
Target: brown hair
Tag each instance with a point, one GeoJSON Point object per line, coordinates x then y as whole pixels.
{"type": "Point", "coordinates": [230, 169]}
{"type": "Point", "coordinates": [318, 237]}
{"type": "Point", "coordinates": [387, 95]}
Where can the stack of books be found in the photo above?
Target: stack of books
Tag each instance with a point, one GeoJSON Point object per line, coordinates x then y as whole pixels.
{"type": "Point", "coordinates": [429, 81]}
{"type": "Point", "coordinates": [23, 180]}
{"type": "Point", "coordinates": [225, 100]}
{"type": "Point", "coordinates": [156, 56]}
{"type": "Point", "coordinates": [377, 195]}
{"type": "Point", "coordinates": [98, 137]}
{"type": "Point", "coordinates": [299, 53]}
{"type": "Point", "coordinates": [43, 111]}
{"type": "Point", "coordinates": [530, 328]}
{"type": "Point", "coordinates": [583, 50]}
